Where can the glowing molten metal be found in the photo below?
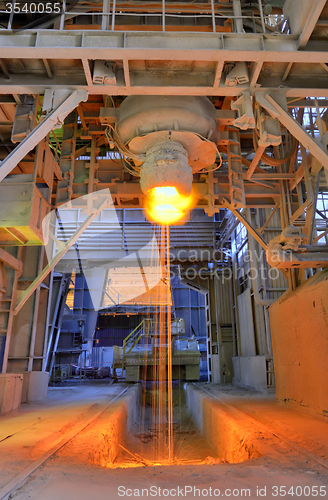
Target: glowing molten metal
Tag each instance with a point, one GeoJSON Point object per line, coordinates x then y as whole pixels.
{"type": "Point", "coordinates": [166, 205]}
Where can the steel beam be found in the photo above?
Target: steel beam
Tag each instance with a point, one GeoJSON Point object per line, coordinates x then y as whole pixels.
{"type": "Point", "coordinates": [268, 102]}
{"type": "Point", "coordinates": [308, 103]}
{"type": "Point", "coordinates": [248, 226]}
{"type": "Point", "coordinates": [89, 44]}
{"type": "Point", "coordinates": [218, 48]}
{"type": "Point", "coordinates": [311, 21]}
{"type": "Point", "coordinates": [41, 130]}
{"type": "Point", "coordinates": [38, 86]}
{"type": "Point", "coordinates": [10, 260]}
{"type": "Point", "coordinates": [255, 161]}
{"type": "Point", "coordinates": [303, 16]}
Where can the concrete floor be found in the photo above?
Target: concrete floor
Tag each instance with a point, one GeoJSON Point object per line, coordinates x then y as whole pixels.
{"type": "Point", "coordinates": [26, 434]}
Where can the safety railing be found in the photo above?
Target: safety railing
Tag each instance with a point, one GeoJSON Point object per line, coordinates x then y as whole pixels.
{"type": "Point", "coordinates": [132, 339]}
{"type": "Point", "coordinates": [116, 15]}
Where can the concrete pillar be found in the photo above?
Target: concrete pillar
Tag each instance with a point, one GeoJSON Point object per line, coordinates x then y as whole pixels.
{"type": "Point", "coordinates": [26, 346]}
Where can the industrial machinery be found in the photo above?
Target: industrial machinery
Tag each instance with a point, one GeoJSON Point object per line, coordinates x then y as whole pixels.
{"type": "Point", "coordinates": [146, 349]}
{"type": "Point", "coordinates": [165, 140]}
{"type": "Point", "coordinates": [196, 115]}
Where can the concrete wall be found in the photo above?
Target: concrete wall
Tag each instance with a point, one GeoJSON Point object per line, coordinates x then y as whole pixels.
{"type": "Point", "coordinates": [299, 329]}
{"type": "Point", "coordinates": [250, 372]}
{"type": "Point", "coordinates": [35, 386]}
{"type": "Point", "coordinates": [234, 438]}
{"type": "Point", "coordinates": [10, 392]}
{"type": "Point", "coordinates": [110, 429]}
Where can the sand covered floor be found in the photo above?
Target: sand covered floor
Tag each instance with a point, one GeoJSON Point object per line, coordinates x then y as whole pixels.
{"type": "Point", "coordinates": [73, 473]}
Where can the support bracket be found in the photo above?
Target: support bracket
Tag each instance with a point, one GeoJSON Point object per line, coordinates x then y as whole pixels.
{"type": "Point", "coordinates": [248, 226]}
{"type": "Point", "coordinates": [244, 107]}
{"type": "Point", "coordinates": [49, 122]}
{"type": "Point", "coordinates": [269, 102]}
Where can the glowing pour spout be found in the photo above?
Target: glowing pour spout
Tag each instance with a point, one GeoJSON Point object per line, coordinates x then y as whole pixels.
{"type": "Point", "coordinates": [166, 205]}
{"type": "Point", "coordinates": [170, 139]}
{"type": "Point", "coordinates": [164, 193]}
{"type": "Point", "coordinates": [166, 179]}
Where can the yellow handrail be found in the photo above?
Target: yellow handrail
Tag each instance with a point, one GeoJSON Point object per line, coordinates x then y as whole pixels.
{"type": "Point", "coordinates": [131, 333]}
{"type": "Point", "coordinates": [135, 333]}
{"type": "Point", "coordinates": [134, 343]}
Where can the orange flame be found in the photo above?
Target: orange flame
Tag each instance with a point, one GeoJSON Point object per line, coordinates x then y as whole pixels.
{"type": "Point", "coordinates": [166, 205]}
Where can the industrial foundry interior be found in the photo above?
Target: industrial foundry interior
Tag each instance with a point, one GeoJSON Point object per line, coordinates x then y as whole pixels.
{"type": "Point", "coordinates": [163, 248]}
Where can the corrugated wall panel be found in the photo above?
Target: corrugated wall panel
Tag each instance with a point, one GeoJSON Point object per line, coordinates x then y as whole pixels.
{"type": "Point", "coordinates": [112, 330]}
{"type": "Point", "coordinates": [110, 336]}
{"type": "Point", "coordinates": [275, 279]}
{"type": "Point", "coordinates": [190, 305]}
{"type": "Point", "coordinates": [224, 297]}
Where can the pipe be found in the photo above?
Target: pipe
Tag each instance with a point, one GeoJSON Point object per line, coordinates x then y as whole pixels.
{"type": "Point", "coordinates": [113, 15]}
{"type": "Point", "coordinates": [238, 16]}
{"type": "Point", "coordinates": [262, 16]}
{"type": "Point", "coordinates": [274, 162]}
{"type": "Point", "coordinates": [62, 17]}
{"type": "Point", "coordinates": [105, 15]}
{"type": "Point", "coordinates": [213, 16]}
{"type": "Point", "coordinates": [163, 15]}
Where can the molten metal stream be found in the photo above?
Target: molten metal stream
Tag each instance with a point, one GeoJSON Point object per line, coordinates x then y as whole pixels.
{"type": "Point", "coordinates": [165, 206]}
{"type": "Point", "coordinates": [169, 351]}
{"type": "Point", "coordinates": [165, 448]}
{"type": "Point", "coordinates": [170, 442]}
{"type": "Point", "coordinates": [162, 396]}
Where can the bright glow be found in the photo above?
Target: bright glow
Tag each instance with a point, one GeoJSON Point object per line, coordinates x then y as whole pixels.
{"type": "Point", "coordinates": [166, 205]}
{"type": "Point", "coordinates": [167, 191]}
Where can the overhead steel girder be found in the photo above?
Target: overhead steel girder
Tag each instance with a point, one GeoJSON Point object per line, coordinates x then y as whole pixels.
{"type": "Point", "coordinates": [318, 150]}
{"type": "Point", "coordinates": [129, 195]}
{"type": "Point", "coordinates": [123, 47]}
{"type": "Point", "coordinates": [41, 130]}
{"type": "Point", "coordinates": [93, 45]}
